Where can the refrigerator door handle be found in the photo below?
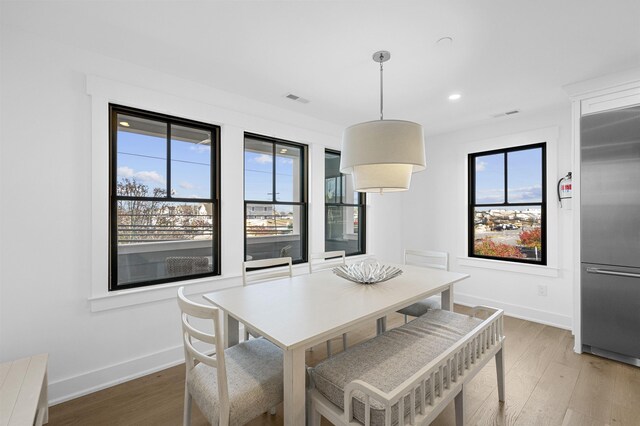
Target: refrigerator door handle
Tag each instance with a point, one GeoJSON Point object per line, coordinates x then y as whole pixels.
{"type": "Point", "coordinates": [616, 273]}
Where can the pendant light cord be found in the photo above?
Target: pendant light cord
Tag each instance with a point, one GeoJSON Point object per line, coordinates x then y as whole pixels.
{"type": "Point", "coordinates": [381, 91]}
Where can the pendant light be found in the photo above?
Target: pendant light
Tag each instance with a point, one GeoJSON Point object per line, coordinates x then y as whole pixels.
{"type": "Point", "coordinates": [381, 155]}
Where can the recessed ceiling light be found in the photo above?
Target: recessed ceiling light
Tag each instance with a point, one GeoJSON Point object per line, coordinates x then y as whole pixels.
{"type": "Point", "coordinates": [455, 96]}
{"type": "Point", "coordinates": [124, 124]}
{"type": "Point", "coordinates": [283, 150]}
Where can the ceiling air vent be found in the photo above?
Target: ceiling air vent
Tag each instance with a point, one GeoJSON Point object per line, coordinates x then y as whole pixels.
{"type": "Point", "coordinates": [504, 114]}
{"type": "Point", "coordinates": [297, 98]}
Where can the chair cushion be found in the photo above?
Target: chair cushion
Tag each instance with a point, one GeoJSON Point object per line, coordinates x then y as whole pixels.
{"type": "Point", "coordinates": [422, 307]}
{"type": "Point", "coordinates": [254, 376]}
{"type": "Point", "coordinates": [389, 359]}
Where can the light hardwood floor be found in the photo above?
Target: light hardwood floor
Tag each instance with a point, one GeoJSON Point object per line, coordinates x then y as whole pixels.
{"type": "Point", "coordinates": [546, 384]}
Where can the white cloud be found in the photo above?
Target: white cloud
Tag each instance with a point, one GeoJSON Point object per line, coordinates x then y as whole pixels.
{"type": "Point", "coordinates": [480, 166]}
{"type": "Point", "coordinates": [285, 160]}
{"type": "Point", "coordinates": [186, 185]}
{"type": "Point", "coordinates": [263, 159]}
{"type": "Point", "coordinates": [486, 196]}
{"type": "Point", "coordinates": [125, 172]}
{"type": "Point", "coordinates": [200, 148]}
{"type": "Point", "coordinates": [145, 176]}
{"type": "Point", "coordinates": [525, 193]}
{"type": "Point", "coordinates": [149, 176]}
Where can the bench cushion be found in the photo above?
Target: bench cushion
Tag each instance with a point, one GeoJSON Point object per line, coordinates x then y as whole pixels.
{"type": "Point", "coordinates": [254, 377]}
{"type": "Point", "coordinates": [388, 360]}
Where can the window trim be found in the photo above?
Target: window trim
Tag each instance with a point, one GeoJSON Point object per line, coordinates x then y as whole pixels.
{"type": "Point", "coordinates": [113, 111]}
{"type": "Point", "coordinates": [472, 194]}
{"type": "Point", "coordinates": [304, 190]}
{"type": "Point", "coordinates": [361, 205]}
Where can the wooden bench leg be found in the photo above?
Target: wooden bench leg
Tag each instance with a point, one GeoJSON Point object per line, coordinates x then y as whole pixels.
{"type": "Point", "coordinates": [314, 415]}
{"type": "Point", "coordinates": [500, 373]}
{"type": "Point", "coordinates": [459, 406]}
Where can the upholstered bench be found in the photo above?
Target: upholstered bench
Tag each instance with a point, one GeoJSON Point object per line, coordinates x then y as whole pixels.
{"type": "Point", "coordinates": [415, 369]}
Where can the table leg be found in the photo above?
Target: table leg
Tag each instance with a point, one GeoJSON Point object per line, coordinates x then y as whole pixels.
{"type": "Point", "coordinates": [294, 387]}
{"type": "Point", "coordinates": [447, 299]}
{"type": "Point", "coordinates": [381, 325]}
{"type": "Point", "coordinates": [231, 331]}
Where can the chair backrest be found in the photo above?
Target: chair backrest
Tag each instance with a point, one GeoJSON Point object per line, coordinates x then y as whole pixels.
{"type": "Point", "coordinates": [427, 259]}
{"type": "Point", "coordinates": [249, 277]}
{"type": "Point", "coordinates": [186, 265]}
{"type": "Point", "coordinates": [192, 355]}
{"type": "Point", "coordinates": [325, 260]}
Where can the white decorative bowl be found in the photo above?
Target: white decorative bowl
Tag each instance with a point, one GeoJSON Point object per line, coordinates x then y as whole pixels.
{"type": "Point", "coordinates": [367, 272]}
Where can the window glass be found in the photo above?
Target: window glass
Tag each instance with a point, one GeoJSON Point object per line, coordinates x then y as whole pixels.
{"type": "Point", "coordinates": [287, 173]}
{"type": "Point", "coordinates": [524, 177]}
{"type": "Point", "coordinates": [163, 240]}
{"type": "Point", "coordinates": [162, 231]}
{"type": "Point", "coordinates": [512, 232]}
{"type": "Point", "coordinates": [344, 210]}
{"type": "Point", "coordinates": [275, 205]}
{"type": "Point", "coordinates": [190, 162]}
{"type": "Point", "coordinates": [508, 223]}
{"type": "Point", "coordinates": [275, 230]}
{"type": "Point", "coordinates": [490, 179]}
{"type": "Point", "coordinates": [141, 156]}
{"type": "Point", "coordinates": [258, 170]}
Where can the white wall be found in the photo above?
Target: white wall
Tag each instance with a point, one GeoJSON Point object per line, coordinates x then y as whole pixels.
{"type": "Point", "coordinates": [51, 170]}
{"type": "Point", "coordinates": [435, 217]}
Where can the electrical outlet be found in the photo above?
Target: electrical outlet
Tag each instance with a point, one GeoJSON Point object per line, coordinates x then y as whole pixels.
{"type": "Point", "coordinates": [542, 290]}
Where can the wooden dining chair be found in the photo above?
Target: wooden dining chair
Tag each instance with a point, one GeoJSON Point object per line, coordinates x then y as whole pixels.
{"type": "Point", "coordinates": [231, 386]}
{"type": "Point", "coordinates": [425, 259]}
{"type": "Point", "coordinates": [253, 273]}
{"type": "Point", "coordinates": [326, 260]}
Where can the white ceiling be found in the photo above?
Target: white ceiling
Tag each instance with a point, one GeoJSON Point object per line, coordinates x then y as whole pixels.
{"type": "Point", "coordinates": [506, 54]}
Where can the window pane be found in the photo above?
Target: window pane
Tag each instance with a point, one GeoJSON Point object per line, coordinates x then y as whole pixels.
{"type": "Point", "coordinates": [508, 232]}
{"type": "Point", "coordinates": [258, 170]}
{"type": "Point", "coordinates": [332, 176]}
{"type": "Point", "coordinates": [141, 163]}
{"type": "Point", "coordinates": [524, 176]}
{"type": "Point", "coordinates": [490, 179]}
{"type": "Point", "coordinates": [274, 230]}
{"type": "Point", "coordinates": [190, 162]}
{"type": "Point", "coordinates": [342, 230]}
{"type": "Point", "coordinates": [288, 177]}
{"type": "Point", "coordinates": [162, 239]}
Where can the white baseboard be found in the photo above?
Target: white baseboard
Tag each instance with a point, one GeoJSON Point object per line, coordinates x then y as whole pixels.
{"type": "Point", "coordinates": [517, 311]}
{"type": "Point", "coordinates": [93, 381]}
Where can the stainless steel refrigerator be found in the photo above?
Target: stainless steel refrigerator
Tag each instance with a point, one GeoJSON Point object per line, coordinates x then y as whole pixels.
{"type": "Point", "coordinates": [610, 234]}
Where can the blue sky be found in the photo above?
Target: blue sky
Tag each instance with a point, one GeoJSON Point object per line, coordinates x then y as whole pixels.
{"type": "Point", "coordinates": [524, 177]}
{"type": "Point", "coordinates": [144, 158]}
{"type": "Point", "coordinates": [258, 177]}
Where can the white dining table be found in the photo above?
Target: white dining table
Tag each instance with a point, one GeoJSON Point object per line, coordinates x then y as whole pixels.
{"type": "Point", "coordinates": [299, 312]}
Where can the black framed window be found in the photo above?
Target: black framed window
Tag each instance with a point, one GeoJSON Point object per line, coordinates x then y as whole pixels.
{"type": "Point", "coordinates": [507, 204]}
{"type": "Point", "coordinates": [275, 194]}
{"type": "Point", "coordinates": [164, 198]}
{"type": "Point", "coordinates": [345, 209]}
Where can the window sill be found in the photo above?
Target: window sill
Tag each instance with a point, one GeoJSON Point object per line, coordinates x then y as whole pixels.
{"type": "Point", "coordinates": [138, 296]}
{"type": "Point", "coordinates": [498, 265]}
